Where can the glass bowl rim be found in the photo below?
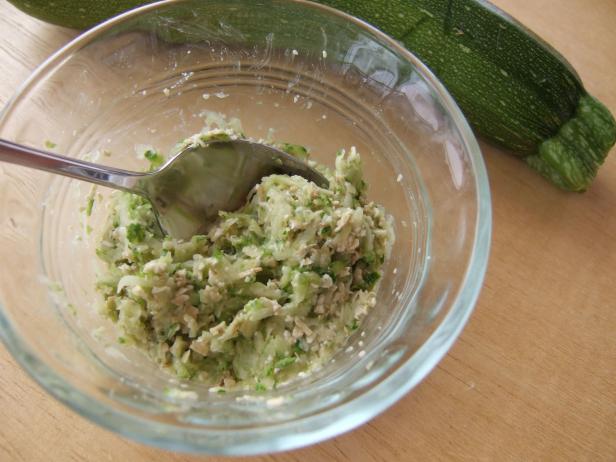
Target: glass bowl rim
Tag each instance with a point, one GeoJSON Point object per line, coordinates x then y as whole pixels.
{"type": "Point", "coordinates": [327, 424]}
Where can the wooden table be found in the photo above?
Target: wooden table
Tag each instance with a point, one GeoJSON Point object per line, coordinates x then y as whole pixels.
{"type": "Point", "coordinates": [533, 376]}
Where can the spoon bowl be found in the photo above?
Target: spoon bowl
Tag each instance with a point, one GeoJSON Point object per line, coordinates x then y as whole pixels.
{"type": "Point", "coordinates": [206, 177]}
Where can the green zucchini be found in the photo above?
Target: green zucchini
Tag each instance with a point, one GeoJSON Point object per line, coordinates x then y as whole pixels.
{"type": "Point", "coordinates": [515, 90]}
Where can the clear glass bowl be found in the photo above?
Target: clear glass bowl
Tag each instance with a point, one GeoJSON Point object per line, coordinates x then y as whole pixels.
{"type": "Point", "coordinates": [290, 70]}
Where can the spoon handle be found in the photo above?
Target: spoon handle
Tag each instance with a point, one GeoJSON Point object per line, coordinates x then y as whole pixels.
{"type": "Point", "coordinates": [42, 160]}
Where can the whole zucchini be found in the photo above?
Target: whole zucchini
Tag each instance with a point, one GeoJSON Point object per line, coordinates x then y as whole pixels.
{"type": "Point", "coordinates": [514, 88]}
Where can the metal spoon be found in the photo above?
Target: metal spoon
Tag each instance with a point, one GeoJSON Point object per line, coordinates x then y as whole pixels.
{"type": "Point", "coordinates": [188, 190]}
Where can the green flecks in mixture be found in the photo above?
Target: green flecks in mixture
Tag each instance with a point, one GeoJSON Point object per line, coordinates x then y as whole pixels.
{"type": "Point", "coordinates": [155, 158]}
{"type": "Point", "coordinates": [135, 232]}
{"type": "Point", "coordinates": [89, 206]}
{"type": "Point", "coordinates": [294, 149]}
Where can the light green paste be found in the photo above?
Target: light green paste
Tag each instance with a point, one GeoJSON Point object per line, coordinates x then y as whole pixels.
{"type": "Point", "coordinates": [272, 291]}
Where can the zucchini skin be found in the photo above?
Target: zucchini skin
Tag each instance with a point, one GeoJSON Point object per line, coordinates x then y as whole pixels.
{"type": "Point", "coordinates": [75, 14]}
{"type": "Point", "coordinates": [515, 90]}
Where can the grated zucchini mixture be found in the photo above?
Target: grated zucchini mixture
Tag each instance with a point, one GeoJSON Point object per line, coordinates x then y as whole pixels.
{"type": "Point", "coordinates": [271, 292]}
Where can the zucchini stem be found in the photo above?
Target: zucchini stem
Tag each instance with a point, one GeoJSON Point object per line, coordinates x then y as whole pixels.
{"type": "Point", "coordinates": [571, 158]}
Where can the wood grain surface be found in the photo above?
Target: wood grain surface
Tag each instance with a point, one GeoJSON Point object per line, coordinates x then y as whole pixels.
{"type": "Point", "coordinates": [533, 376]}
